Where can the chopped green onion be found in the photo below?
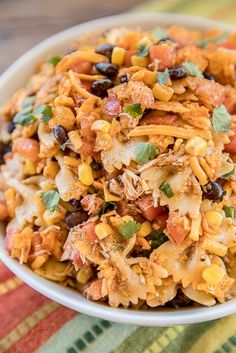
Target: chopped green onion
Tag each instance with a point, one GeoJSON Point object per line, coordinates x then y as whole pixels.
{"type": "Point", "coordinates": [143, 50]}
{"type": "Point", "coordinates": [192, 69]}
{"type": "Point", "coordinates": [166, 189]}
{"type": "Point", "coordinates": [163, 77]}
{"type": "Point", "coordinates": [229, 211]}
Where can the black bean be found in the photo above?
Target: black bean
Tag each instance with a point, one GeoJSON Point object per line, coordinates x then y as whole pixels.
{"type": "Point", "coordinates": [95, 165]}
{"type": "Point", "coordinates": [70, 51]}
{"type": "Point", "coordinates": [11, 127]}
{"type": "Point", "coordinates": [75, 218]}
{"type": "Point", "coordinates": [75, 203]}
{"type": "Point", "coordinates": [60, 134]}
{"type": "Point", "coordinates": [213, 191]}
{"type": "Point", "coordinates": [107, 69]}
{"type": "Point", "coordinates": [3, 150]}
{"type": "Point", "coordinates": [105, 49]}
{"type": "Point", "coordinates": [100, 87]}
{"type": "Point", "coordinates": [167, 39]}
{"type": "Point", "coordinates": [209, 76]}
{"type": "Point", "coordinates": [124, 79]}
{"type": "Point", "coordinates": [177, 72]}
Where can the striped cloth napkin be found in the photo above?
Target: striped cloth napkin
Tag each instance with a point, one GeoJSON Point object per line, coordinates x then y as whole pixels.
{"type": "Point", "coordinates": [29, 322]}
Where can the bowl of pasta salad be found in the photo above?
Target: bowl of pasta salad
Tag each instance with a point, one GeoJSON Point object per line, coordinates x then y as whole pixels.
{"type": "Point", "coordinates": [117, 176]}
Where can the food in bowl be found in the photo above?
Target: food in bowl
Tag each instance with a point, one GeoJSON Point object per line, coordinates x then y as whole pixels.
{"type": "Point", "coordinates": [117, 175]}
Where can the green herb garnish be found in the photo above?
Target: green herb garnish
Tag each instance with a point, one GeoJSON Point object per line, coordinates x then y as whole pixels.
{"type": "Point", "coordinates": [157, 237]}
{"type": "Point", "coordinates": [128, 229]}
{"type": "Point", "coordinates": [134, 110]}
{"type": "Point", "coordinates": [203, 43]}
{"type": "Point", "coordinates": [107, 206]}
{"type": "Point", "coordinates": [54, 60]}
{"type": "Point", "coordinates": [163, 77]}
{"type": "Point", "coordinates": [44, 111]}
{"type": "Point", "coordinates": [143, 50]}
{"type": "Point", "coordinates": [50, 199]}
{"type": "Point", "coordinates": [192, 69]}
{"type": "Point", "coordinates": [145, 152]}
{"type": "Point", "coordinates": [221, 119]}
{"type": "Point", "coordinates": [166, 189]}
{"type": "Point", "coordinates": [229, 211]}
{"type": "Point", "coordinates": [159, 33]}
{"type": "Point", "coordinates": [25, 116]}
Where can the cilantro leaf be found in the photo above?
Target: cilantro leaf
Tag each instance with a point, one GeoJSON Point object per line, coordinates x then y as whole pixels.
{"type": "Point", "coordinates": [24, 118]}
{"type": "Point", "coordinates": [229, 211]}
{"type": "Point", "coordinates": [166, 189]}
{"type": "Point", "coordinates": [145, 152]}
{"type": "Point", "coordinates": [159, 33]}
{"type": "Point", "coordinates": [157, 237]}
{"type": "Point", "coordinates": [163, 77]}
{"type": "Point", "coordinates": [221, 119]}
{"type": "Point", "coordinates": [106, 207]}
{"type": "Point", "coordinates": [44, 111]}
{"type": "Point", "coordinates": [143, 50]}
{"type": "Point", "coordinates": [50, 199]}
{"type": "Point", "coordinates": [54, 60]}
{"type": "Point", "coordinates": [192, 69]}
{"type": "Point", "coordinates": [134, 110]}
{"type": "Point", "coordinates": [128, 229]}
{"type": "Point", "coordinates": [203, 43]}
{"type": "Point", "coordinates": [28, 102]}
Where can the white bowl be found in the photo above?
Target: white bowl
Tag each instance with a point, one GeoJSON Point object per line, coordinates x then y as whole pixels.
{"type": "Point", "coordinates": [15, 77]}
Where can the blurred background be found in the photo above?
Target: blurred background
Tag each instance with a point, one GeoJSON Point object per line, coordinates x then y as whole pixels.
{"type": "Point", "coordinates": [23, 23]}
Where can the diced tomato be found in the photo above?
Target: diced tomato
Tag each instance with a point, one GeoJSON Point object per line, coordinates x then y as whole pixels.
{"type": "Point", "coordinates": [231, 147]}
{"type": "Point", "coordinates": [128, 54]}
{"type": "Point", "coordinates": [164, 53]}
{"type": "Point", "coordinates": [229, 104]}
{"type": "Point", "coordinates": [77, 262]}
{"type": "Point", "coordinates": [152, 117]}
{"type": "Point", "coordinates": [149, 211]}
{"type": "Point", "coordinates": [89, 229]}
{"type": "Point", "coordinates": [175, 228]}
{"type": "Point", "coordinates": [112, 105]}
{"type": "Point", "coordinates": [161, 219]}
{"type": "Point", "coordinates": [9, 239]}
{"type": "Point", "coordinates": [82, 67]}
{"type": "Point", "coordinates": [227, 44]}
{"type": "Point", "coordinates": [210, 92]}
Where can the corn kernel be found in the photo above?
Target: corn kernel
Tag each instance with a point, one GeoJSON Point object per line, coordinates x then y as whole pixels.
{"type": "Point", "coordinates": [75, 139]}
{"type": "Point", "coordinates": [118, 56]}
{"type": "Point", "coordinates": [85, 174]}
{"type": "Point", "coordinates": [145, 229]}
{"type": "Point", "coordinates": [52, 217]}
{"type": "Point", "coordinates": [101, 126]}
{"type": "Point", "coordinates": [39, 261]}
{"type": "Point", "coordinates": [215, 247]}
{"type": "Point", "coordinates": [162, 92]}
{"type": "Point", "coordinates": [73, 162]}
{"type": "Point", "coordinates": [51, 170]}
{"type": "Point", "coordinates": [213, 274]}
{"type": "Point", "coordinates": [64, 100]}
{"type": "Point", "coordinates": [139, 60]}
{"type": "Point", "coordinates": [127, 218]}
{"type": "Point", "coordinates": [144, 41]}
{"type": "Point", "coordinates": [84, 275]}
{"type": "Point", "coordinates": [196, 146]}
{"type": "Point", "coordinates": [102, 230]}
{"type": "Point", "coordinates": [29, 167]}
{"type": "Point", "coordinates": [214, 218]}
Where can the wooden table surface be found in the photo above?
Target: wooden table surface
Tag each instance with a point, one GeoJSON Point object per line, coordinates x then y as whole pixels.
{"type": "Point", "coordinates": [23, 23]}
